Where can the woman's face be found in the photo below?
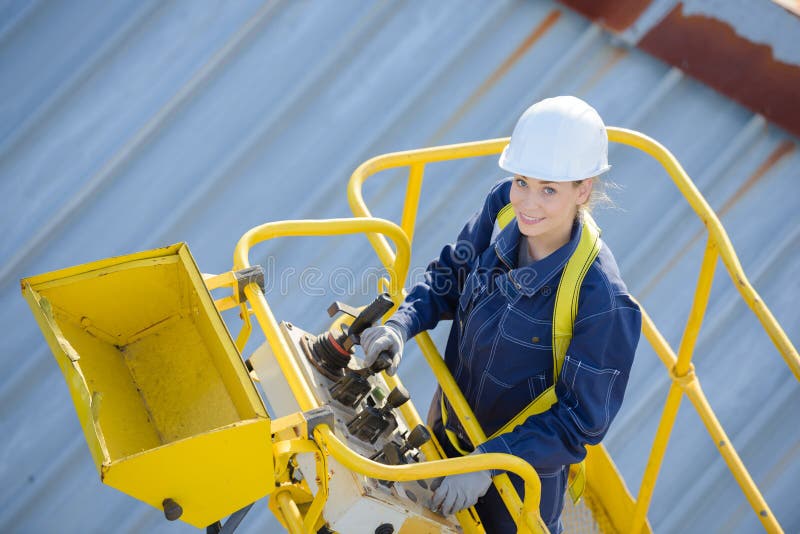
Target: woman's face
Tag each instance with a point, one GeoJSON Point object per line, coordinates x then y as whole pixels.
{"type": "Point", "coordinates": [547, 209]}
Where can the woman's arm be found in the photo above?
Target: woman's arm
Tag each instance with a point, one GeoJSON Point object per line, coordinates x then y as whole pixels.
{"type": "Point", "coordinates": [435, 297]}
{"type": "Point", "coordinates": [589, 390]}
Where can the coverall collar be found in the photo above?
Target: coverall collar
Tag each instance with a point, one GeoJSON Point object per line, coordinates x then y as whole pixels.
{"type": "Point", "coordinates": [532, 277]}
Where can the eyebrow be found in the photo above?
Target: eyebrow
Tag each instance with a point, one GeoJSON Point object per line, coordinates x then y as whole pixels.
{"type": "Point", "coordinates": [540, 182]}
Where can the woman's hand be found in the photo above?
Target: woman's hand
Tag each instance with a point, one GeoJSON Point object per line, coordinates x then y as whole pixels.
{"type": "Point", "coordinates": [377, 339]}
{"type": "Point", "coordinates": [457, 492]}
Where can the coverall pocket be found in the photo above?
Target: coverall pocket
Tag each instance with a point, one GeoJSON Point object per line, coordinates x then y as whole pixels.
{"type": "Point", "coordinates": [526, 331]}
{"type": "Point", "coordinates": [538, 383]}
{"type": "Point", "coordinates": [502, 400]}
{"type": "Point", "coordinates": [523, 351]}
{"type": "Point", "coordinates": [588, 395]}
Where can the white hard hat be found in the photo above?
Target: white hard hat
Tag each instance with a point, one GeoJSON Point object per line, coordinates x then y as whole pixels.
{"type": "Point", "coordinates": [560, 139]}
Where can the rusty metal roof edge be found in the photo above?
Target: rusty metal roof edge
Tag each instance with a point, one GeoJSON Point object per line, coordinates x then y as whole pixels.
{"type": "Point", "coordinates": [705, 38]}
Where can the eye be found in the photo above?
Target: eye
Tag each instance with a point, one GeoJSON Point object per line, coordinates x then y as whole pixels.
{"type": "Point", "coordinates": [520, 182]}
{"type": "Point", "coordinates": [549, 191]}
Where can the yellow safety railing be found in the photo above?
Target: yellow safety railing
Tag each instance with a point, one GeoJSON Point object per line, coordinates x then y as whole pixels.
{"type": "Point", "coordinates": [679, 367]}
{"type": "Point", "coordinates": [526, 513]}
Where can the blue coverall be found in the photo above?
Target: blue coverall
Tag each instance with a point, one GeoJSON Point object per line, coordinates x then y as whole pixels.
{"type": "Point", "coordinates": [500, 349]}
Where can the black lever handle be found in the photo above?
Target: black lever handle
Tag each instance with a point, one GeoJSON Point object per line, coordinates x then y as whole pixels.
{"type": "Point", "coordinates": [371, 313]}
{"type": "Point", "coordinates": [397, 397]}
{"type": "Point", "coordinates": [384, 361]}
{"type": "Point", "coordinates": [418, 437]}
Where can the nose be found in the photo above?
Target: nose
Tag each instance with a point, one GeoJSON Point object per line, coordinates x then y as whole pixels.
{"type": "Point", "coordinates": [529, 202]}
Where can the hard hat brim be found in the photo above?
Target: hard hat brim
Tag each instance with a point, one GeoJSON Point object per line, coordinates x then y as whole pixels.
{"type": "Point", "coordinates": [508, 166]}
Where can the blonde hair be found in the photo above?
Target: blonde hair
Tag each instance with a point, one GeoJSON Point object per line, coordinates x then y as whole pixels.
{"type": "Point", "coordinates": [599, 194]}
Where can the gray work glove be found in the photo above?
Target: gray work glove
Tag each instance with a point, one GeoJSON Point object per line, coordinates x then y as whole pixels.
{"type": "Point", "coordinates": [457, 492]}
{"type": "Point", "coordinates": [377, 339]}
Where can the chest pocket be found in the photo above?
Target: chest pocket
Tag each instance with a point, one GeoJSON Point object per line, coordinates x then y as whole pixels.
{"type": "Point", "coordinates": [524, 350]}
{"type": "Point", "coordinates": [527, 331]}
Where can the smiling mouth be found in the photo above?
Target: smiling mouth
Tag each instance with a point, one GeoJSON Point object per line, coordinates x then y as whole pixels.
{"type": "Point", "coordinates": [530, 220]}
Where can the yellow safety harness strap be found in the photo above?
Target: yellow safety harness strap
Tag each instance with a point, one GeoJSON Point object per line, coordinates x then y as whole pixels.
{"type": "Point", "coordinates": [565, 310]}
{"type": "Point", "coordinates": [505, 216]}
{"type": "Point", "coordinates": [451, 436]}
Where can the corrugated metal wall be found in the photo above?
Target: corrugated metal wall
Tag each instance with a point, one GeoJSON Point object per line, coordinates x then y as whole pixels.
{"type": "Point", "coordinates": [132, 124]}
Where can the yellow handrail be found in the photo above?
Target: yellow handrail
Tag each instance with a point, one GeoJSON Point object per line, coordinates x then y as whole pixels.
{"type": "Point", "coordinates": [399, 264]}
{"type": "Point", "coordinates": [679, 367]}
{"type": "Point", "coordinates": [526, 513]}
{"type": "Point", "coordinates": [717, 235]}
{"type": "Point", "coordinates": [415, 159]}
{"type": "Point", "coordinates": [529, 511]}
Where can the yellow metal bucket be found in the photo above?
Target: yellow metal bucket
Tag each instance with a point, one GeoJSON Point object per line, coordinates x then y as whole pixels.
{"type": "Point", "coordinates": [164, 398]}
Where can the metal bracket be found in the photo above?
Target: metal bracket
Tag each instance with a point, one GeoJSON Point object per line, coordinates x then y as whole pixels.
{"type": "Point", "coordinates": [318, 416]}
{"type": "Point", "coordinates": [250, 275]}
{"type": "Point", "coordinates": [685, 380]}
{"type": "Point", "coordinates": [337, 307]}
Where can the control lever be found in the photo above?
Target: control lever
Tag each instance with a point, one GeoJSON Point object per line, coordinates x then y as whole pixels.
{"type": "Point", "coordinates": [353, 386]}
{"type": "Point", "coordinates": [368, 316]}
{"type": "Point", "coordinates": [397, 397]}
{"type": "Point", "coordinates": [383, 361]}
{"type": "Point", "coordinates": [371, 422]}
{"type": "Point", "coordinates": [330, 351]}
{"type": "Point", "coordinates": [417, 438]}
{"type": "Point", "coordinates": [351, 389]}
{"type": "Point", "coordinates": [394, 454]}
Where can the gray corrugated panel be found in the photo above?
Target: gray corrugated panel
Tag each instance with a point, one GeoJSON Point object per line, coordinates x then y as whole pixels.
{"type": "Point", "coordinates": [195, 121]}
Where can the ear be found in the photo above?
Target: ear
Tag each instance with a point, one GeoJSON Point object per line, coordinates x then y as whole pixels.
{"type": "Point", "coordinates": [585, 191]}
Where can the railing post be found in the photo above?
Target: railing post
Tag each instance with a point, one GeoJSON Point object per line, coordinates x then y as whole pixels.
{"type": "Point", "coordinates": [411, 204]}
{"type": "Point", "coordinates": [698, 310]}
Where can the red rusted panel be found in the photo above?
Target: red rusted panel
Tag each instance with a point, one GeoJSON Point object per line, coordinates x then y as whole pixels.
{"type": "Point", "coordinates": [710, 50]}
{"type": "Point", "coordinates": [616, 15]}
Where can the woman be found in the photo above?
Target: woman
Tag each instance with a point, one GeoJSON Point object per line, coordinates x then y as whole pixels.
{"type": "Point", "coordinates": [499, 283]}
